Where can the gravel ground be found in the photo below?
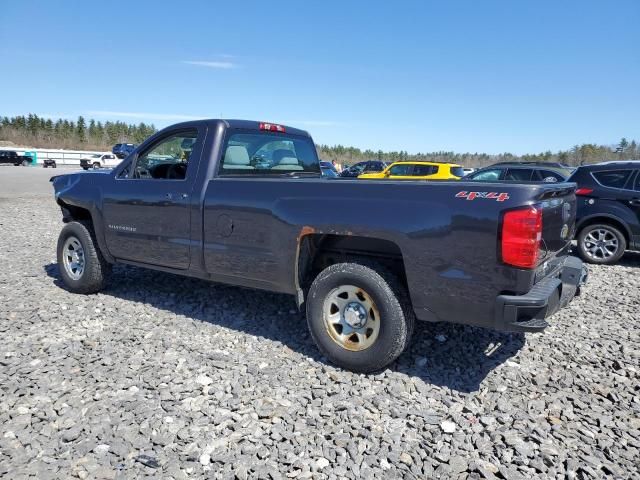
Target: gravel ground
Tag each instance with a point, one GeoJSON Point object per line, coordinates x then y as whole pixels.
{"type": "Point", "coordinates": [174, 378]}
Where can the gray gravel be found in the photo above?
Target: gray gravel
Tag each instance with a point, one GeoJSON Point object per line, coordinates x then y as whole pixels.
{"type": "Point", "coordinates": [175, 378]}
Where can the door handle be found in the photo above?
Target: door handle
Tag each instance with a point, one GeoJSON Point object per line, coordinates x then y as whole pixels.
{"type": "Point", "coordinates": [635, 202]}
{"type": "Point", "coordinates": [169, 196]}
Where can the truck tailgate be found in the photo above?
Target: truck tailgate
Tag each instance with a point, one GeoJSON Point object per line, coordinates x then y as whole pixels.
{"type": "Point", "coordinates": [558, 203]}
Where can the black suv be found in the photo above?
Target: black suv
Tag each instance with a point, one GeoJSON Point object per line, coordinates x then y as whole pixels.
{"type": "Point", "coordinates": [11, 157]}
{"type": "Point", "coordinates": [364, 167]}
{"type": "Point", "coordinates": [522, 172]}
{"type": "Point", "coordinates": [608, 216]}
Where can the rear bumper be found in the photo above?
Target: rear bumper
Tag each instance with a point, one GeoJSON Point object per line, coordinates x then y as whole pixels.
{"type": "Point", "coordinates": [528, 313]}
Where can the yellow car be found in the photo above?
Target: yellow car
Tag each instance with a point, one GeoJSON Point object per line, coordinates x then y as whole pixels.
{"type": "Point", "coordinates": [418, 171]}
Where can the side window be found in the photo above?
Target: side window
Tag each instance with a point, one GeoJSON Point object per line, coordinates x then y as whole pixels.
{"type": "Point", "coordinates": [612, 178]}
{"type": "Point", "coordinates": [264, 153]}
{"type": "Point", "coordinates": [168, 158]}
{"type": "Point", "coordinates": [518, 175]}
{"type": "Point", "coordinates": [638, 181]}
{"type": "Point", "coordinates": [487, 175]}
{"type": "Point", "coordinates": [375, 167]}
{"type": "Point", "coordinates": [424, 170]}
{"type": "Point", "coordinates": [457, 171]}
{"type": "Point", "coordinates": [400, 170]}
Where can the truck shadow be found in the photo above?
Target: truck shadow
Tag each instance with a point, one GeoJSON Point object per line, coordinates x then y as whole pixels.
{"type": "Point", "coordinates": [455, 356]}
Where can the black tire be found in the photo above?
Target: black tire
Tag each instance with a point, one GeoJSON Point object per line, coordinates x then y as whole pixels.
{"type": "Point", "coordinates": [96, 165]}
{"type": "Point", "coordinates": [395, 312]}
{"type": "Point", "coordinates": [85, 168]}
{"type": "Point", "coordinates": [54, 165]}
{"type": "Point", "coordinates": [605, 260]}
{"type": "Point", "coordinates": [96, 268]}
{"type": "Point", "coordinates": [25, 163]}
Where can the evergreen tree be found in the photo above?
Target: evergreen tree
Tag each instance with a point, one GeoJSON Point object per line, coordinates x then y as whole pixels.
{"type": "Point", "coordinates": [81, 130]}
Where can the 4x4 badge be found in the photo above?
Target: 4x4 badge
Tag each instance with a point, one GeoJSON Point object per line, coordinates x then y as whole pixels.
{"type": "Point", "coordinates": [499, 197]}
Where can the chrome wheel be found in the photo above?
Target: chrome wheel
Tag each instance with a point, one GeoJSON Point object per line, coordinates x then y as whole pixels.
{"type": "Point", "coordinates": [351, 318]}
{"type": "Point", "coordinates": [600, 244]}
{"type": "Point", "coordinates": [73, 258]}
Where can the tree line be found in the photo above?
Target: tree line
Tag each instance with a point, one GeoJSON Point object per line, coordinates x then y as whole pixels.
{"type": "Point", "coordinates": [577, 155]}
{"type": "Point", "coordinates": [34, 131]}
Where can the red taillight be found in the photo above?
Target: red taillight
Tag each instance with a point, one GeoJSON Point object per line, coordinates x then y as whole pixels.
{"type": "Point", "coordinates": [272, 127]}
{"type": "Point", "coordinates": [583, 191]}
{"type": "Point", "coordinates": [521, 235]}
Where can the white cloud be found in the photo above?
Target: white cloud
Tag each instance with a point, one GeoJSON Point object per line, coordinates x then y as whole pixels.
{"type": "Point", "coordinates": [143, 115]}
{"type": "Point", "coordinates": [214, 64]}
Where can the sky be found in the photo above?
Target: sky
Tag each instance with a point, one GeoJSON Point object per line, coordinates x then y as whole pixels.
{"type": "Point", "coordinates": [458, 75]}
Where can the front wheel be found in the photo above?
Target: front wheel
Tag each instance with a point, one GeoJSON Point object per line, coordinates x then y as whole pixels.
{"type": "Point", "coordinates": [359, 316]}
{"type": "Point", "coordinates": [82, 267]}
{"type": "Point", "coordinates": [96, 166]}
{"type": "Point", "coordinates": [601, 244]}
{"type": "Point", "coordinates": [25, 163]}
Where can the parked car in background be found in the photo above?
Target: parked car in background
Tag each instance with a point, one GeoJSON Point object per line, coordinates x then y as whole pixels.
{"type": "Point", "coordinates": [418, 171]}
{"type": "Point", "coordinates": [522, 172]}
{"type": "Point", "coordinates": [468, 170]}
{"type": "Point", "coordinates": [362, 277]}
{"type": "Point", "coordinates": [364, 167]}
{"type": "Point", "coordinates": [49, 162]}
{"type": "Point", "coordinates": [329, 166]}
{"type": "Point", "coordinates": [100, 160]}
{"type": "Point", "coordinates": [328, 172]}
{"type": "Point", "coordinates": [121, 150]}
{"type": "Point", "coordinates": [608, 210]}
{"type": "Point", "coordinates": [11, 157]}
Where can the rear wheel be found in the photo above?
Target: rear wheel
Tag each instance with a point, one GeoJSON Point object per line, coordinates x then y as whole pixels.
{"type": "Point", "coordinates": [82, 267]}
{"type": "Point", "coordinates": [96, 166]}
{"type": "Point", "coordinates": [25, 163]}
{"type": "Point", "coordinates": [359, 316]}
{"type": "Point", "coordinates": [601, 244]}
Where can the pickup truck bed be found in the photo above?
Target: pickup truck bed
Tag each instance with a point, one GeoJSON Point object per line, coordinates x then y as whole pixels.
{"type": "Point", "coordinates": [363, 257]}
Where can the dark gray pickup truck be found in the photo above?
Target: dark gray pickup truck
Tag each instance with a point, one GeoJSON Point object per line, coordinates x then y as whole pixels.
{"type": "Point", "coordinates": [244, 203]}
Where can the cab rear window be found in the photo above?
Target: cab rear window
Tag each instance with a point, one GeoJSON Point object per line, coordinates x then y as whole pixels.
{"type": "Point", "coordinates": [267, 153]}
{"type": "Point", "coordinates": [457, 171]}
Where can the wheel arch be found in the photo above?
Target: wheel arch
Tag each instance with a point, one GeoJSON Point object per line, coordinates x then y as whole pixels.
{"type": "Point", "coordinates": [608, 219]}
{"type": "Point", "coordinates": [317, 251]}
{"type": "Point", "coordinates": [75, 213]}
